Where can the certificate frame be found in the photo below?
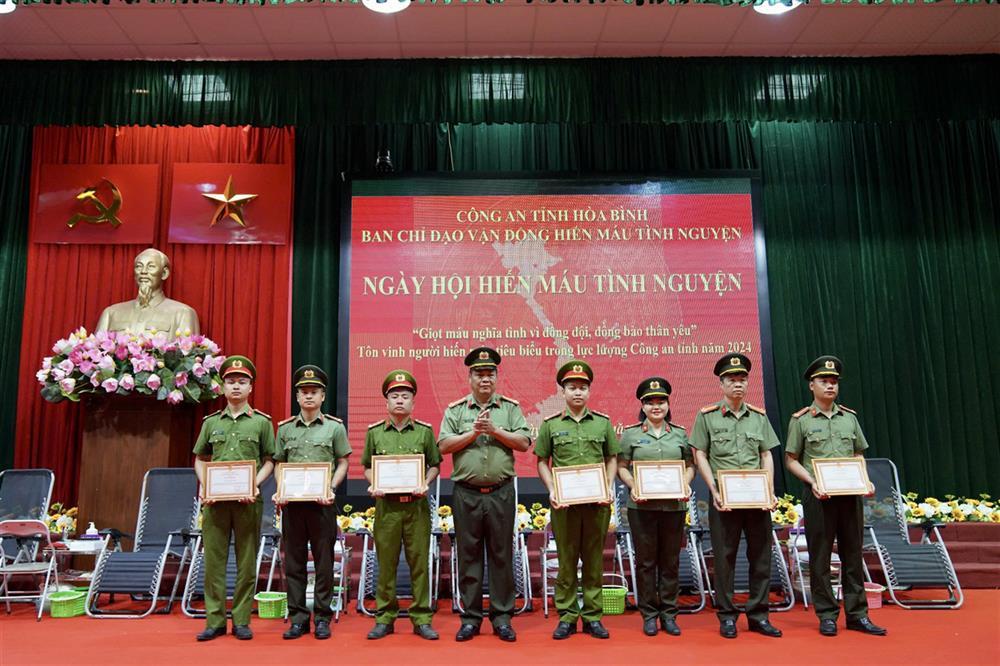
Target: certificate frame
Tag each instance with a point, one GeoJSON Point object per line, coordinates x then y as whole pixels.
{"type": "Point", "coordinates": [317, 468]}
{"type": "Point", "coordinates": [642, 470]}
{"type": "Point", "coordinates": [248, 468]}
{"type": "Point", "coordinates": [727, 476]}
{"type": "Point", "coordinates": [378, 477]}
{"type": "Point", "coordinates": [559, 474]}
{"type": "Point", "coordinates": [821, 465]}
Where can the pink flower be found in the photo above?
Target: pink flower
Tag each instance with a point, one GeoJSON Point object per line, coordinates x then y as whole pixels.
{"type": "Point", "coordinates": [212, 347]}
{"type": "Point", "coordinates": [180, 379]}
{"type": "Point", "coordinates": [107, 345]}
{"type": "Point", "coordinates": [106, 364]}
{"type": "Point", "coordinates": [134, 348]}
{"type": "Point", "coordinates": [160, 341]}
{"type": "Point", "coordinates": [154, 382]}
{"type": "Point", "coordinates": [127, 382]}
{"type": "Point", "coordinates": [110, 385]}
{"type": "Point", "coordinates": [46, 363]}
{"type": "Point", "coordinates": [67, 385]}
{"type": "Point", "coordinates": [121, 352]}
{"type": "Point", "coordinates": [63, 346]}
{"type": "Point", "coordinates": [216, 388]}
{"type": "Point", "coordinates": [199, 370]}
{"type": "Point", "coordinates": [58, 374]}
{"type": "Point", "coordinates": [95, 380]}
{"type": "Point", "coordinates": [213, 362]}
{"type": "Point", "coordinates": [186, 345]}
{"type": "Point", "coordinates": [75, 356]}
{"type": "Point", "coordinates": [175, 397]}
{"type": "Point", "coordinates": [42, 375]}
{"type": "Point", "coordinates": [66, 366]}
{"type": "Point", "coordinates": [87, 367]}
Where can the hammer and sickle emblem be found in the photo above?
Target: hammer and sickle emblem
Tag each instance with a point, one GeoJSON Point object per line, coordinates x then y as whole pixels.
{"type": "Point", "coordinates": [105, 213]}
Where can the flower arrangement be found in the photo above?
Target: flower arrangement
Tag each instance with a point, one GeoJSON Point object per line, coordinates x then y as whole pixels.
{"type": "Point", "coordinates": [351, 521]}
{"type": "Point", "coordinates": [533, 518]}
{"type": "Point", "coordinates": [60, 519]}
{"type": "Point", "coordinates": [980, 509]}
{"type": "Point", "coordinates": [181, 368]}
{"type": "Point", "coordinates": [787, 512]}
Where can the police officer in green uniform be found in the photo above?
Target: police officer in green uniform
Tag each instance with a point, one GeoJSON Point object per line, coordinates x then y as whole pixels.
{"type": "Point", "coordinates": [311, 437]}
{"type": "Point", "coordinates": [402, 520]}
{"type": "Point", "coordinates": [578, 436]}
{"type": "Point", "coordinates": [733, 434]}
{"type": "Point", "coordinates": [482, 431]}
{"type": "Point", "coordinates": [828, 430]}
{"type": "Point", "coordinates": [237, 432]}
{"type": "Point", "coordinates": [657, 526]}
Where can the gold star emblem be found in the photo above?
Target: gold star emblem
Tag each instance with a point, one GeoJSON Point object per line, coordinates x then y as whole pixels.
{"type": "Point", "coordinates": [400, 378]}
{"type": "Point", "coordinates": [231, 205]}
{"type": "Point", "coordinates": [830, 365]}
{"type": "Point", "coordinates": [654, 385]}
{"type": "Point", "coordinates": [237, 363]}
{"type": "Point", "coordinates": [483, 355]}
{"type": "Point", "coordinates": [308, 374]}
{"type": "Point", "coordinates": [577, 368]}
{"type": "Point", "coordinates": [734, 360]}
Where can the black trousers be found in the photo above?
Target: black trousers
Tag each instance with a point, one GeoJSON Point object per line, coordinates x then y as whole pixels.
{"type": "Point", "coordinates": [485, 521]}
{"type": "Point", "coordinates": [839, 518]}
{"type": "Point", "coordinates": [304, 525]}
{"type": "Point", "coordinates": [726, 528]}
{"type": "Point", "coordinates": [657, 537]}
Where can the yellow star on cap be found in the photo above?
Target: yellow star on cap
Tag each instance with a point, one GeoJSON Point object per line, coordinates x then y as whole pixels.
{"type": "Point", "coordinates": [231, 204]}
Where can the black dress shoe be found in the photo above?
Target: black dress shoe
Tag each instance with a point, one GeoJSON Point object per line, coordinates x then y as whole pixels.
{"type": "Point", "coordinates": [380, 631]}
{"type": "Point", "coordinates": [764, 627]}
{"type": "Point", "coordinates": [828, 627]}
{"type": "Point", "coordinates": [564, 630]}
{"type": "Point", "coordinates": [669, 625]}
{"type": "Point", "coordinates": [595, 629]}
{"type": "Point", "coordinates": [505, 632]}
{"type": "Point", "coordinates": [864, 625]}
{"type": "Point", "coordinates": [322, 630]}
{"type": "Point", "coordinates": [425, 632]}
{"type": "Point", "coordinates": [466, 632]}
{"type": "Point", "coordinates": [242, 632]}
{"type": "Point", "coordinates": [296, 631]}
{"type": "Point", "coordinates": [649, 627]}
{"type": "Point", "coordinates": [211, 633]}
{"type": "Point", "coordinates": [728, 629]}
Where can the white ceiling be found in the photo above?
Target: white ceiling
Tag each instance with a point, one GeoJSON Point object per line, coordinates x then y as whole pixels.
{"type": "Point", "coordinates": [347, 31]}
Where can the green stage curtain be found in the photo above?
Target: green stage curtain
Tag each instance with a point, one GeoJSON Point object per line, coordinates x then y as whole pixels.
{"type": "Point", "coordinates": [15, 165]}
{"type": "Point", "coordinates": [879, 193]}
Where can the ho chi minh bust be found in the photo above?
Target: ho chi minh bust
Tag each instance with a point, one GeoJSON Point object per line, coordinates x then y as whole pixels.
{"type": "Point", "coordinates": [150, 310]}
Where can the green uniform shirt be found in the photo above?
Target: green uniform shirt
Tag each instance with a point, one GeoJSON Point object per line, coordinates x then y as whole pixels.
{"type": "Point", "coordinates": [414, 438]}
{"type": "Point", "coordinates": [248, 435]}
{"type": "Point", "coordinates": [732, 440]}
{"type": "Point", "coordinates": [813, 434]}
{"type": "Point", "coordinates": [639, 443]}
{"type": "Point", "coordinates": [570, 442]}
{"type": "Point", "coordinates": [485, 461]}
{"type": "Point", "coordinates": [323, 440]}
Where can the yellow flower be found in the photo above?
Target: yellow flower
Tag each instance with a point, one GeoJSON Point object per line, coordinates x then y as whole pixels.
{"type": "Point", "coordinates": [370, 512]}
{"type": "Point", "coordinates": [917, 512]}
{"type": "Point", "coordinates": [933, 501]}
{"type": "Point", "coordinates": [957, 515]}
{"type": "Point", "coordinates": [792, 515]}
{"type": "Point", "coordinates": [444, 510]}
{"type": "Point", "coordinates": [521, 509]}
{"type": "Point", "coordinates": [543, 512]}
{"type": "Point", "coordinates": [995, 517]}
{"type": "Point", "coordinates": [72, 512]}
{"type": "Point", "coordinates": [344, 522]}
{"type": "Point", "coordinates": [912, 505]}
{"type": "Point", "coordinates": [347, 509]}
{"type": "Point", "coordinates": [536, 506]}
{"type": "Point", "coordinates": [538, 522]}
{"type": "Point", "coordinates": [369, 524]}
{"type": "Point", "coordinates": [976, 516]}
{"type": "Point", "coordinates": [687, 519]}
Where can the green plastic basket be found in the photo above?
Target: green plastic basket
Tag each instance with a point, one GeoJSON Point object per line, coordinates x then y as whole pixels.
{"type": "Point", "coordinates": [614, 595]}
{"type": "Point", "coordinates": [271, 605]}
{"type": "Point", "coordinates": [68, 603]}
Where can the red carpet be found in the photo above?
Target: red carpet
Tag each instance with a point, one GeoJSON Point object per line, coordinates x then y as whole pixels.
{"type": "Point", "coordinates": [970, 635]}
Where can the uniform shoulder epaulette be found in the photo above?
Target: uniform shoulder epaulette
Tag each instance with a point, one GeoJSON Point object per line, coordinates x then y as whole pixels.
{"type": "Point", "coordinates": [334, 418]}
{"type": "Point", "coordinates": [264, 414]}
{"type": "Point", "coordinates": [634, 425]}
{"type": "Point", "coordinates": [847, 409]}
{"type": "Point", "coordinates": [677, 425]}
{"type": "Point", "coordinates": [215, 413]}
{"type": "Point", "coordinates": [594, 411]}
{"type": "Point", "coordinates": [800, 412]}
{"type": "Point", "coordinates": [456, 403]}
{"type": "Point", "coordinates": [510, 400]}
{"type": "Point", "coordinates": [708, 409]}
{"type": "Point", "coordinates": [377, 423]}
{"type": "Point", "coordinates": [756, 409]}
{"type": "Point", "coordinates": [552, 416]}
{"type": "Point", "coordinates": [288, 420]}
{"type": "Point", "coordinates": [424, 423]}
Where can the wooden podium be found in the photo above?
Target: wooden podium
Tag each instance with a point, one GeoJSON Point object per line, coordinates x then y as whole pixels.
{"type": "Point", "coordinates": [123, 437]}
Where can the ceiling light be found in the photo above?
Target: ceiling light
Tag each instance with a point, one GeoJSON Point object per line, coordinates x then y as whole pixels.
{"type": "Point", "coordinates": [386, 6]}
{"type": "Point", "coordinates": [7, 7]}
{"type": "Point", "coordinates": [777, 8]}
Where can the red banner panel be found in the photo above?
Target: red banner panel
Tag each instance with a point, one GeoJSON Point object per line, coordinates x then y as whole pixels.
{"type": "Point", "coordinates": [638, 285]}
{"type": "Point", "coordinates": [231, 204]}
{"type": "Point", "coordinates": [106, 204]}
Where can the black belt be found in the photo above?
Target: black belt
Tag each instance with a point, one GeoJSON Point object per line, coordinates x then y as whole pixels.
{"type": "Point", "coordinates": [485, 490]}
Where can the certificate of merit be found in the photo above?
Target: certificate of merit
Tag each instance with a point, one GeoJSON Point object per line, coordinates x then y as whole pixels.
{"type": "Point", "coordinates": [581, 484]}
